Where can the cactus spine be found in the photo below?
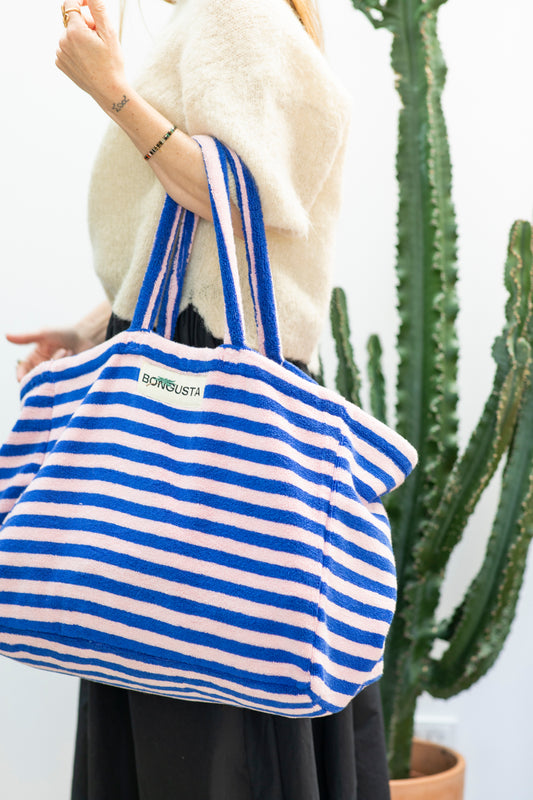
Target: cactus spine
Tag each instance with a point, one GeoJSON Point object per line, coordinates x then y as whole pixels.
{"type": "Point", "coordinates": [430, 512]}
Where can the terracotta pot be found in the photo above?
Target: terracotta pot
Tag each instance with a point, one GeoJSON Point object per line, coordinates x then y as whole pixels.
{"type": "Point", "coordinates": [437, 772]}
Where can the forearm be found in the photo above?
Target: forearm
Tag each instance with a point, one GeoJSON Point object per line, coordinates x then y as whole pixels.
{"type": "Point", "coordinates": [178, 164]}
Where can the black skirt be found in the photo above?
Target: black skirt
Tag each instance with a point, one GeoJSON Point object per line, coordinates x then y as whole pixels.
{"type": "Point", "coordinates": [136, 746]}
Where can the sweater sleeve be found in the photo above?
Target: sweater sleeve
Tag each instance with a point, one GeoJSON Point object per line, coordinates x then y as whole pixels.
{"type": "Point", "coordinates": [252, 77]}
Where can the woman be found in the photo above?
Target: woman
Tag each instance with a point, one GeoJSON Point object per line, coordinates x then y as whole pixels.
{"type": "Point", "coordinates": [249, 73]}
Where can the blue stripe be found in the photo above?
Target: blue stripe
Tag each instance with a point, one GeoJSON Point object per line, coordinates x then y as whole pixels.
{"type": "Point", "coordinates": [64, 374]}
{"type": "Point", "coordinates": [71, 396]}
{"type": "Point", "coordinates": [24, 469]}
{"type": "Point", "coordinates": [25, 425]}
{"type": "Point", "coordinates": [42, 400]}
{"type": "Point", "coordinates": [370, 494]}
{"type": "Point", "coordinates": [173, 574]}
{"type": "Point", "coordinates": [349, 632]}
{"type": "Point", "coordinates": [336, 684]}
{"type": "Point", "coordinates": [350, 604]}
{"type": "Point", "coordinates": [344, 659]}
{"type": "Point", "coordinates": [254, 370]}
{"type": "Point", "coordinates": [16, 450]}
{"type": "Point", "coordinates": [12, 492]}
{"type": "Point", "coordinates": [353, 522]}
{"type": "Point", "coordinates": [241, 396]}
{"type": "Point", "coordinates": [356, 579]}
{"type": "Point", "coordinates": [349, 547]}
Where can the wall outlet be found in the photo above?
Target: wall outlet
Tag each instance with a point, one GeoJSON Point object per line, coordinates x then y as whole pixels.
{"type": "Point", "coordinates": [436, 728]}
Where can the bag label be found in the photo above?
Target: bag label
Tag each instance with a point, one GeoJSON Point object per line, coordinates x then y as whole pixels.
{"type": "Point", "coordinates": [179, 389]}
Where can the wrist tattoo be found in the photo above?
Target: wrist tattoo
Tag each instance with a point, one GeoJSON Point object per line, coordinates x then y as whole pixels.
{"type": "Point", "coordinates": [119, 106]}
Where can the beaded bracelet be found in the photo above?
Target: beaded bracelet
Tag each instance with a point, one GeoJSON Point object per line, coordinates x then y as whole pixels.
{"type": "Point", "coordinates": [160, 143]}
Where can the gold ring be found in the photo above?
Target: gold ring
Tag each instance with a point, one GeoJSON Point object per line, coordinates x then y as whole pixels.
{"type": "Point", "coordinates": [66, 11]}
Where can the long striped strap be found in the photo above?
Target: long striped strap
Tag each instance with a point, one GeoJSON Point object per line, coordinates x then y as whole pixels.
{"type": "Point", "coordinates": [256, 246]}
{"type": "Point", "coordinates": [217, 177]}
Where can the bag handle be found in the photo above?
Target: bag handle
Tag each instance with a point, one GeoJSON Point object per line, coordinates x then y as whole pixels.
{"type": "Point", "coordinates": [161, 290]}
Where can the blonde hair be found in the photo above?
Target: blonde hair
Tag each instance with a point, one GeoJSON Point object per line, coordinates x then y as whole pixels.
{"type": "Point", "coordinates": [307, 13]}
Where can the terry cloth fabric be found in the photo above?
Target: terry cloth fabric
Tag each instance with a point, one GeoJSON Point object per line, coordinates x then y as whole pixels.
{"type": "Point", "coordinates": [136, 746]}
{"type": "Point", "coordinates": [247, 73]}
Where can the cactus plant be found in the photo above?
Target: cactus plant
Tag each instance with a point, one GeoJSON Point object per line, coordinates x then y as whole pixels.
{"type": "Point", "coordinates": [429, 514]}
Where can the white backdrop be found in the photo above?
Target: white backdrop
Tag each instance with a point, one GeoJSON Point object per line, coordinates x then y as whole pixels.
{"type": "Point", "coordinates": [49, 134]}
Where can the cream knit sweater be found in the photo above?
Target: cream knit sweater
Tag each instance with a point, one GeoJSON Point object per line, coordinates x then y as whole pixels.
{"type": "Point", "coordinates": [246, 72]}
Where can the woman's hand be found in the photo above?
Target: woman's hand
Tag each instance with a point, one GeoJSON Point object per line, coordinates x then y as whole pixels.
{"type": "Point", "coordinates": [49, 344]}
{"type": "Point", "coordinates": [90, 54]}
{"type": "Point", "coordinates": [52, 344]}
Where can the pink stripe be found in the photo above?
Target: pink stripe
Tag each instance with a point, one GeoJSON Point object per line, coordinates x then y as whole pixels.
{"type": "Point", "coordinates": [342, 672]}
{"type": "Point", "coordinates": [389, 435]}
{"type": "Point", "coordinates": [363, 595]}
{"type": "Point", "coordinates": [358, 566]}
{"type": "Point", "coordinates": [281, 499]}
{"type": "Point", "coordinates": [347, 646]}
{"type": "Point", "coordinates": [320, 689]}
{"type": "Point", "coordinates": [19, 439]}
{"type": "Point", "coordinates": [198, 354]}
{"type": "Point", "coordinates": [183, 689]}
{"type": "Point", "coordinates": [260, 443]}
{"type": "Point", "coordinates": [6, 505]}
{"type": "Point", "coordinates": [368, 541]}
{"type": "Point", "coordinates": [351, 617]}
{"type": "Point", "coordinates": [293, 405]}
{"type": "Point", "coordinates": [182, 426]}
{"type": "Point", "coordinates": [48, 388]}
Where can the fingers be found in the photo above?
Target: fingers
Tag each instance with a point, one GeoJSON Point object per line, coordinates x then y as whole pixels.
{"type": "Point", "coordinates": [25, 365]}
{"type": "Point", "coordinates": [72, 14]}
{"type": "Point", "coordinates": [99, 14]}
{"type": "Point", "coordinates": [24, 338]}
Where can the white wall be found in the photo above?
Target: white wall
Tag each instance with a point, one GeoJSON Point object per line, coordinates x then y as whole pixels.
{"type": "Point", "coordinates": [49, 133]}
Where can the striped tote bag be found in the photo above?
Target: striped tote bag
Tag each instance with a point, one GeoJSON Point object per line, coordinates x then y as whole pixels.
{"type": "Point", "coordinates": [204, 524]}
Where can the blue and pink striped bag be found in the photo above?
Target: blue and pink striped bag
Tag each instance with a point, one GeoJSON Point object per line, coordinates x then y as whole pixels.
{"type": "Point", "coordinates": [198, 523]}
